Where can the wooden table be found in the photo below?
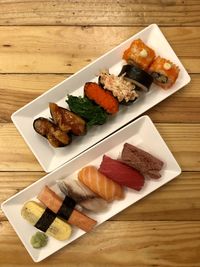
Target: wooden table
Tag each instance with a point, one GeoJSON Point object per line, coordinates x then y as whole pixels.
{"type": "Point", "coordinates": [42, 43]}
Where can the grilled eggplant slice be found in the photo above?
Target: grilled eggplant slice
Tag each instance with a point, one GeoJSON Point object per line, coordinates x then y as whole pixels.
{"type": "Point", "coordinates": [55, 136]}
{"type": "Point", "coordinates": [67, 120]}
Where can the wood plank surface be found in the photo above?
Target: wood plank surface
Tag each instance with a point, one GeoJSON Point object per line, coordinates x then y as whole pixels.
{"type": "Point", "coordinates": [115, 244]}
{"type": "Point", "coordinates": [182, 139]}
{"type": "Point", "coordinates": [16, 90]}
{"type": "Point", "coordinates": [44, 42]}
{"type": "Point", "coordinates": [178, 200]}
{"type": "Point", "coordinates": [51, 49]}
{"type": "Point", "coordinates": [100, 12]}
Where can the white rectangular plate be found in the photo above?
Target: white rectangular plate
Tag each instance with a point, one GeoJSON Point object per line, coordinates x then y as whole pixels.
{"type": "Point", "coordinates": [50, 158]}
{"type": "Point", "coordinates": [141, 133]}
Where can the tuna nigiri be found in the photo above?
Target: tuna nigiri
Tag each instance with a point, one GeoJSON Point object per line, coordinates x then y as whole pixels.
{"type": "Point", "coordinates": [100, 184]}
{"type": "Point", "coordinates": [121, 173]}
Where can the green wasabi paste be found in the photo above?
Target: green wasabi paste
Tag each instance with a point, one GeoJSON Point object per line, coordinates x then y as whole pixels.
{"type": "Point", "coordinates": [39, 240]}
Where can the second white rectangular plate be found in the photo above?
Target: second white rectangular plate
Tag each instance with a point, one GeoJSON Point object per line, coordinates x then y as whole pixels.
{"type": "Point", "coordinates": [141, 133]}
{"type": "Point", "coordinates": [51, 158]}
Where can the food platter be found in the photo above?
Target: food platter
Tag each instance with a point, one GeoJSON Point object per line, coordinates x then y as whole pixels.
{"type": "Point", "coordinates": [51, 158]}
{"type": "Point", "coordinates": [141, 133]}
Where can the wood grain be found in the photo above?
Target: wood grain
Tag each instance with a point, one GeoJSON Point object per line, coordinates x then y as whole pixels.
{"type": "Point", "coordinates": [115, 244]}
{"type": "Point", "coordinates": [182, 139]}
{"type": "Point", "coordinates": [178, 200]}
{"type": "Point", "coordinates": [51, 49]}
{"type": "Point", "coordinates": [100, 12]}
{"type": "Point", "coordinates": [16, 90]}
{"type": "Point", "coordinates": [42, 43]}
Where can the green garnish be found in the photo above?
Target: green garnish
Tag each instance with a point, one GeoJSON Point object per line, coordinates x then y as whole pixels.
{"type": "Point", "coordinates": [88, 110]}
{"type": "Point", "coordinates": [39, 240]}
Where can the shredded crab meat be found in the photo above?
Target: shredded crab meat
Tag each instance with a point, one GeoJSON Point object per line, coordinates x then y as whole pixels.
{"type": "Point", "coordinates": [120, 88]}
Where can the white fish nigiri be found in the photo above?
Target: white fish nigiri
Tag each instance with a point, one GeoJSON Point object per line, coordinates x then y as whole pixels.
{"type": "Point", "coordinates": [81, 194]}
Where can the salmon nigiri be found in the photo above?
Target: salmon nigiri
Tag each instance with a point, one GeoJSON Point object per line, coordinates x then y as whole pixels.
{"type": "Point", "coordinates": [100, 184]}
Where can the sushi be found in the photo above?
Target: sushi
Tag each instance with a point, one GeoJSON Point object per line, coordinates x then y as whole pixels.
{"type": "Point", "coordinates": [65, 208]}
{"type": "Point", "coordinates": [137, 76]}
{"type": "Point", "coordinates": [45, 220]}
{"type": "Point", "coordinates": [164, 72]}
{"type": "Point", "coordinates": [121, 173]}
{"type": "Point", "coordinates": [48, 129]}
{"type": "Point", "coordinates": [139, 54]}
{"type": "Point", "coordinates": [122, 89]}
{"type": "Point", "coordinates": [103, 98]}
{"type": "Point", "coordinates": [144, 162]}
{"type": "Point", "coordinates": [100, 184]}
{"type": "Point", "coordinates": [67, 120]}
{"type": "Point", "coordinates": [87, 109]}
{"type": "Point", "coordinates": [81, 194]}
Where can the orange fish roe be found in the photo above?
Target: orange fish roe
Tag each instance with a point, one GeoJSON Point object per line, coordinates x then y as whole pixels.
{"type": "Point", "coordinates": [164, 72]}
{"type": "Point", "coordinates": [101, 97]}
{"type": "Point", "coordinates": [140, 54]}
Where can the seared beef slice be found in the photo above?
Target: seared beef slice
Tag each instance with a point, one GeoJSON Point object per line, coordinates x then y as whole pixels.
{"type": "Point", "coordinates": [142, 161]}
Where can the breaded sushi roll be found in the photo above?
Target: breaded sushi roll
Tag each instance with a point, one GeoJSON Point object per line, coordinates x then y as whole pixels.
{"type": "Point", "coordinates": [140, 54]}
{"type": "Point", "coordinates": [164, 72]}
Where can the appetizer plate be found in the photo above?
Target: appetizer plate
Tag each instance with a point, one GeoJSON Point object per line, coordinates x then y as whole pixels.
{"type": "Point", "coordinates": [141, 133]}
{"type": "Point", "coordinates": [50, 158]}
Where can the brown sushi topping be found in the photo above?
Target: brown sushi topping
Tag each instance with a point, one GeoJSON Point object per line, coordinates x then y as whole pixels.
{"type": "Point", "coordinates": [142, 161]}
{"type": "Point", "coordinates": [55, 136]}
{"type": "Point", "coordinates": [67, 120]}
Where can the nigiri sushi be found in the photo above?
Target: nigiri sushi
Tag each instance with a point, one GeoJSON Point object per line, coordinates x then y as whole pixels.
{"type": "Point", "coordinates": [121, 173]}
{"type": "Point", "coordinates": [103, 98]}
{"type": "Point", "coordinates": [100, 184]}
{"type": "Point", "coordinates": [67, 120]}
{"type": "Point", "coordinates": [81, 194]}
{"type": "Point", "coordinates": [142, 161]}
{"type": "Point", "coordinates": [140, 54]}
{"type": "Point", "coordinates": [48, 129]}
{"type": "Point", "coordinates": [45, 220]}
{"type": "Point", "coordinates": [164, 72]}
{"type": "Point", "coordinates": [65, 208]}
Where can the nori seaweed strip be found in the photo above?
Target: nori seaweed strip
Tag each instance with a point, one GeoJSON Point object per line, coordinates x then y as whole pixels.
{"type": "Point", "coordinates": [45, 220]}
{"type": "Point", "coordinates": [140, 77]}
{"type": "Point", "coordinates": [67, 207]}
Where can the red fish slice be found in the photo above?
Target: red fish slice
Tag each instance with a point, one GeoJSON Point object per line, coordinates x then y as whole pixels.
{"type": "Point", "coordinates": [121, 173]}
